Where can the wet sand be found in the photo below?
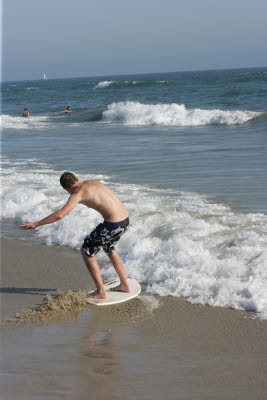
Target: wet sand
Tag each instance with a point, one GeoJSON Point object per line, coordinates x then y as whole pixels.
{"type": "Point", "coordinates": [148, 348]}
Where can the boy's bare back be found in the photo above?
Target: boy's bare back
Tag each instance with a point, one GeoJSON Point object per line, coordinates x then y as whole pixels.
{"type": "Point", "coordinates": [98, 196]}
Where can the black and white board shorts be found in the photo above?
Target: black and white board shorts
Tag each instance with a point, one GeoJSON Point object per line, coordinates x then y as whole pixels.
{"type": "Point", "coordinates": [106, 235]}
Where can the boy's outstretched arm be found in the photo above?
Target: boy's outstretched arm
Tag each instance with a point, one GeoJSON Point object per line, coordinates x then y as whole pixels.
{"type": "Point", "coordinates": [56, 216]}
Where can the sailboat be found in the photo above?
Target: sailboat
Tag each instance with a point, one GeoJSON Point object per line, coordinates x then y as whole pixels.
{"type": "Point", "coordinates": [45, 76]}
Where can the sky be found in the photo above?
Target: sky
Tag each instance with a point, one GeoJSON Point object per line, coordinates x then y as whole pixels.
{"type": "Point", "coordinates": [81, 38]}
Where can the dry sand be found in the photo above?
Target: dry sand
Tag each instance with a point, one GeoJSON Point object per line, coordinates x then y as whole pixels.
{"type": "Point", "coordinates": [148, 348]}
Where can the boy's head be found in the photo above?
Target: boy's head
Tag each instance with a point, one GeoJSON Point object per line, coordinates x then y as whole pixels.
{"type": "Point", "coordinates": [67, 180]}
{"type": "Point", "coordinates": [25, 109]}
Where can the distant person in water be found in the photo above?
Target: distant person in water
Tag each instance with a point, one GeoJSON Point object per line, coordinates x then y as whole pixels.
{"type": "Point", "coordinates": [68, 110]}
{"type": "Point", "coordinates": [98, 196]}
{"type": "Point", "coordinates": [25, 113]}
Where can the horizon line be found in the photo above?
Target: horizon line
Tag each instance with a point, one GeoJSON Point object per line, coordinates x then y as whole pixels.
{"type": "Point", "coordinates": [138, 73]}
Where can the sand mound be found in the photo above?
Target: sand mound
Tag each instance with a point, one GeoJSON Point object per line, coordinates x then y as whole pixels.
{"type": "Point", "coordinates": [63, 301]}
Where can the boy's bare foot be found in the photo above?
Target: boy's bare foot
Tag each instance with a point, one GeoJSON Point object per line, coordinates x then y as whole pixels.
{"type": "Point", "coordinates": [121, 288]}
{"type": "Point", "coordinates": [97, 295]}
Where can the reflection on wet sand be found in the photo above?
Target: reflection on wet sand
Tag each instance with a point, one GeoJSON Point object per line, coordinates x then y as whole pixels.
{"type": "Point", "coordinates": [99, 345]}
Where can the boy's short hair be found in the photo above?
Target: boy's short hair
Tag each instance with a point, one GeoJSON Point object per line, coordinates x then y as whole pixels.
{"type": "Point", "coordinates": [67, 179]}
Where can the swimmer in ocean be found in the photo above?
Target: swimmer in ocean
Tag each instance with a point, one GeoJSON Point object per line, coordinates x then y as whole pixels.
{"type": "Point", "coordinates": [25, 113]}
{"type": "Point", "coordinates": [68, 110]}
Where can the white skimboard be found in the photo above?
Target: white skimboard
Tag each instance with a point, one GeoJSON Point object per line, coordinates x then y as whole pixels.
{"type": "Point", "coordinates": [116, 297]}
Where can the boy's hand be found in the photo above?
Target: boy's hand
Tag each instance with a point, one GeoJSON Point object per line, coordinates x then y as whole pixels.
{"type": "Point", "coordinates": [29, 225]}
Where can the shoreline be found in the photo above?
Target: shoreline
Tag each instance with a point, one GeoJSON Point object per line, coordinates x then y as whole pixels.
{"type": "Point", "coordinates": [30, 270]}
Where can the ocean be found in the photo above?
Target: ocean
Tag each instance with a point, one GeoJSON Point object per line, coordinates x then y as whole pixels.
{"type": "Point", "coordinates": [187, 154]}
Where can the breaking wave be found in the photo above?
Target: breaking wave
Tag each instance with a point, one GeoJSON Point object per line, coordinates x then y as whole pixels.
{"type": "Point", "coordinates": [118, 84]}
{"type": "Point", "coordinates": [138, 114]}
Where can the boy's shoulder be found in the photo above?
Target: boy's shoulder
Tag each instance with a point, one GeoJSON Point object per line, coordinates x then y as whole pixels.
{"type": "Point", "coordinates": [91, 183]}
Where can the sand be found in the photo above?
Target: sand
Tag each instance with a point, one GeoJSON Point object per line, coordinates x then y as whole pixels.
{"type": "Point", "coordinates": [148, 348]}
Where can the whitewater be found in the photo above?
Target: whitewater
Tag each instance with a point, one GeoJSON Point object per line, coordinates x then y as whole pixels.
{"type": "Point", "coordinates": [137, 114]}
{"type": "Point", "coordinates": [179, 243]}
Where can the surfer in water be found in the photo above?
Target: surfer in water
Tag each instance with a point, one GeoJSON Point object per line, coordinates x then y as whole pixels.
{"type": "Point", "coordinates": [68, 110]}
{"type": "Point", "coordinates": [98, 196]}
{"type": "Point", "coordinates": [25, 113]}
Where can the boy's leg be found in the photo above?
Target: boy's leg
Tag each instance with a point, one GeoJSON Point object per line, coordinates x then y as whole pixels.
{"type": "Point", "coordinates": [93, 268]}
{"type": "Point", "coordinates": [119, 267]}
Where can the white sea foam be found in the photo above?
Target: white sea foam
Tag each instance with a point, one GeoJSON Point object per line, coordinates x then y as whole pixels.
{"type": "Point", "coordinates": [138, 114]}
{"type": "Point", "coordinates": [179, 243]}
{"type": "Point", "coordinates": [103, 84]}
{"type": "Point", "coordinates": [9, 122]}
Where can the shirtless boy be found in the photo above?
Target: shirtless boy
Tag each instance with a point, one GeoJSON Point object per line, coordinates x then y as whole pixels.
{"type": "Point", "coordinates": [94, 195]}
